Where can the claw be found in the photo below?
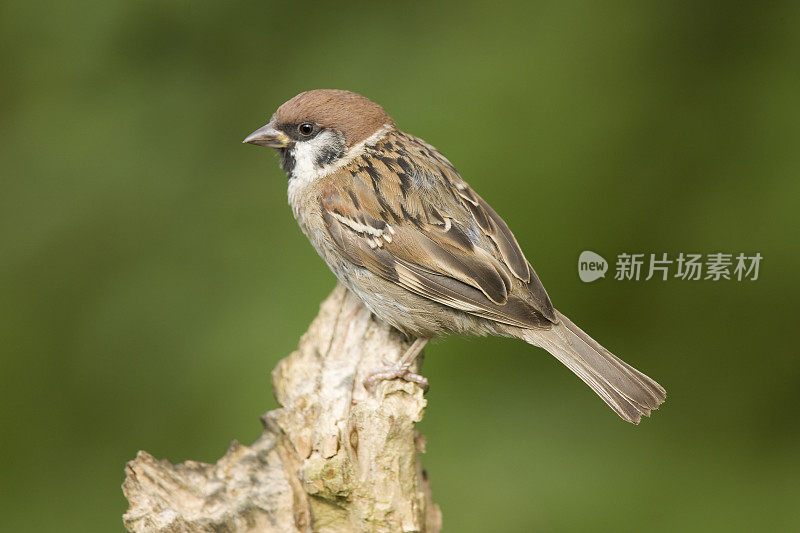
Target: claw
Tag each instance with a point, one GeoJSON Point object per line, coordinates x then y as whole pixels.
{"type": "Point", "coordinates": [395, 371]}
{"type": "Point", "coordinates": [400, 369]}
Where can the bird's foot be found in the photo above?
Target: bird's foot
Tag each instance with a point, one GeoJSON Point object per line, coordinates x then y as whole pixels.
{"type": "Point", "coordinates": [399, 370]}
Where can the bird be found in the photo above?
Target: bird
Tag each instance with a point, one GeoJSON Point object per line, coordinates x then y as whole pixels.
{"type": "Point", "coordinates": [400, 229]}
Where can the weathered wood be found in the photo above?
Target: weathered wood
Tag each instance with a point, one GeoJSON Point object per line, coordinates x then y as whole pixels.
{"type": "Point", "coordinates": [332, 458]}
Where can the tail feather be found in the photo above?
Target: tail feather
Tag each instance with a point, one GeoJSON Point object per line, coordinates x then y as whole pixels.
{"type": "Point", "coordinates": [627, 391]}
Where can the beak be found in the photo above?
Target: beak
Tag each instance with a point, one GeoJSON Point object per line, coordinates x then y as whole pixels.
{"type": "Point", "coordinates": [268, 136]}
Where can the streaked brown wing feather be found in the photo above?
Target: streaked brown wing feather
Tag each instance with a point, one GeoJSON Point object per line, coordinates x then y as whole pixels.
{"type": "Point", "coordinates": [451, 292]}
{"type": "Point", "coordinates": [486, 217]}
{"type": "Point", "coordinates": [379, 222]}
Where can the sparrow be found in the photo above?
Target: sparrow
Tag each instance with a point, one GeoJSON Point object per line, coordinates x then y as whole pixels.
{"type": "Point", "coordinates": [401, 229]}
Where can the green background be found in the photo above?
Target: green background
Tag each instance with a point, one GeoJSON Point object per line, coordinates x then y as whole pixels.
{"type": "Point", "coordinates": [152, 275]}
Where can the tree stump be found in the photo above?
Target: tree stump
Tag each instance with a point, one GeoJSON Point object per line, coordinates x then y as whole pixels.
{"type": "Point", "coordinates": [333, 458]}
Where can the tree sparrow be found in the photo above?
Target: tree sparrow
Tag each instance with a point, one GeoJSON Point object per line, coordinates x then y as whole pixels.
{"type": "Point", "coordinates": [399, 227]}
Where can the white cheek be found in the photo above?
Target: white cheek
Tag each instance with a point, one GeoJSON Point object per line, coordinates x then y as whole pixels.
{"type": "Point", "coordinates": [305, 170]}
{"type": "Point", "coordinates": [306, 153]}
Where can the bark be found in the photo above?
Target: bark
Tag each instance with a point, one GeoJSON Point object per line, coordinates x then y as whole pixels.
{"type": "Point", "coordinates": [332, 458]}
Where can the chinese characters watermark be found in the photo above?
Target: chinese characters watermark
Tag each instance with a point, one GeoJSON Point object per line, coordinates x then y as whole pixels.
{"type": "Point", "coordinates": [690, 266]}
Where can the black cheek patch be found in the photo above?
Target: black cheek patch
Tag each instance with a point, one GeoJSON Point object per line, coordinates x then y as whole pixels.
{"type": "Point", "coordinates": [328, 155]}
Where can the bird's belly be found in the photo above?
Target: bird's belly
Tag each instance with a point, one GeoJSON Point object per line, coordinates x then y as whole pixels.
{"type": "Point", "coordinates": [412, 314]}
{"type": "Point", "coordinates": [408, 312]}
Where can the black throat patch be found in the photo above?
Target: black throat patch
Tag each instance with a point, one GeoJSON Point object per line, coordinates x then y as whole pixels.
{"type": "Point", "coordinates": [287, 161]}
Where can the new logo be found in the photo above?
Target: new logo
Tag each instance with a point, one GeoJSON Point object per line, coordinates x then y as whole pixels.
{"type": "Point", "coordinates": [591, 266]}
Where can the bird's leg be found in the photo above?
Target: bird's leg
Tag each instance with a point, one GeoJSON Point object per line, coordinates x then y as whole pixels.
{"type": "Point", "coordinates": [400, 369]}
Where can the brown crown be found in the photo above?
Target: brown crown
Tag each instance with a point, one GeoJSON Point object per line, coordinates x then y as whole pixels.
{"type": "Point", "coordinates": [344, 111]}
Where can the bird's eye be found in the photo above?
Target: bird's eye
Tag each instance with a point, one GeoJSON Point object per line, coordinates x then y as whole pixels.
{"type": "Point", "coordinates": [306, 128]}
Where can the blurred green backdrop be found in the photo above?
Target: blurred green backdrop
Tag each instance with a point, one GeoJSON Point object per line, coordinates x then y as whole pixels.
{"type": "Point", "coordinates": [152, 274]}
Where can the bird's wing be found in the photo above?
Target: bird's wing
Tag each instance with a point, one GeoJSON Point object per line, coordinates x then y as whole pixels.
{"type": "Point", "coordinates": [401, 211]}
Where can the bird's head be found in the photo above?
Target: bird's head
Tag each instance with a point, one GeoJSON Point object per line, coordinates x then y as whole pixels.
{"type": "Point", "coordinates": [318, 128]}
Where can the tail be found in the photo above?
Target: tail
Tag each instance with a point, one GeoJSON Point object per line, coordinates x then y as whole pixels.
{"type": "Point", "coordinates": [627, 391]}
